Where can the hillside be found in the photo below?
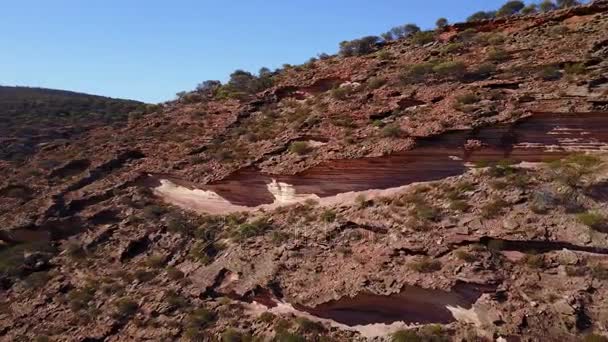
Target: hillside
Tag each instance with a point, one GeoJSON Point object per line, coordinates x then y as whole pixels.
{"type": "Point", "coordinates": [31, 116]}
{"type": "Point", "coordinates": [445, 185]}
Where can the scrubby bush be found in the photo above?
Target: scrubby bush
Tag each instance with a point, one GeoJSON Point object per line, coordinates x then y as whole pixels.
{"type": "Point", "coordinates": [423, 37]}
{"type": "Point", "coordinates": [595, 338]}
{"type": "Point", "coordinates": [577, 170]}
{"type": "Point", "coordinates": [481, 15]}
{"type": "Point", "coordinates": [252, 229]}
{"type": "Point", "coordinates": [599, 271]}
{"type": "Point", "coordinates": [534, 260]}
{"type": "Point", "coordinates": [453, 47]}
{"type": "Point", "coordinates": [426, 265]}
{"type": "Point", "coordinates": [459, 205]}
{"type": "Point", "coordinates": [359, 46]}
{"type": "Point", "coordinates": [493, 208]}
{"type": "Point", "coordinates": [467, 99]}
{"type": "Point", "coordinates": [328, 216]}
{"type": "Point", "coordinates": [417, 72]}
{"type": "Point", "coordinates": [550, 73]}
{"type": "Point", "coordinates": [392, 131]}
{"type": "Point", "coordinates": [174, 274]}
{"type": "Point", "coordinates": [575, 69]}
{"type": "Point", "coordinates": [342, 92]}
{"type": "Point", "coordinates": [232, 335]}
{"type": "Point", "coordinates": [594, 221]}
{"type": "Point", "coordinates": [375, 82]}
{"type": "Point", "coordinates": [498, 55]}
{"type": "Point", "coordinates": [465, 256]}
{"type": "Point", "coordinates": [454, 69]}
{"type": "Point", "coordinates": [299, 147]}
{"type": "Point", "coordinates": [308, 327]}
{"type": "Point", "coordinates": [482, 71]}
{"type": "Point", "coordinates": [125, 308]}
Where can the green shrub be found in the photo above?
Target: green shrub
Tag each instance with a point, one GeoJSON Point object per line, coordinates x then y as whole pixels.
{"type": "Point", "coordinates": [534, 260]}
{"type": "Point", "coordinates": [155, 261]}
{"type": "Point", "coordinates": [342, 92]}
{"type": "Point", "coordinates": [307, 326]}
{"type": "Point", "coordinates": [575, 170]}
{"type": "Point", "coordinates": [454, 69]}
{"type": "Point", "coordinates": [375, 82]}
{"type": "Point", "coordinates": [423, 37]}
{"type": "Point", "coordinates": [144, 276]}
{"type": "Point", "coordinates": [467, 99]}
{"type": "Point", "coordinates": [176, 301]}
{"type": "Point", "coordinates": [416, 72]}
{"type": "Point", "coordinates": [125, 308]}
{"type": "Point", "coordinates": [426, 265]}
{"type": "Point", "coordinates": [550, 73]}
{"type": "Point", "coordinates": [36, 280]}
{"type": "Point", "coordinates": [299, 147]}
{"type": "Point", "coordinates": [493, 208]}
{"type": "Point", "coordinates": [359, 47]}
{"type": "Point", "coordinates": [595, 338]}
{"type": "Point", "coordinates": [328, 216]}
{"type": "Point", "coordinates": [200, 318]}
{"type": "Point", "coordinates": [481, 15]}
{"type": "Point", "coordinates": [599, 271]}
{"type": "Point", "coordinates": [498, 55]}
{"type": "Point", "coordinates": [594, 221]}
{"type": "Point", "coordinates": [79, 299]}
{"type": "Point", "coordinates": [385, 55]}
{"type": "Point", "coordinates": [459, 205]}
{"type": "Point", "coordinates": [484, 70]}
{"type": "Point", "coordinates": [174, 274]}
{"type": "Point", "coordinates": [575, 69]}
{"type": "Point", "coordinates": [453, 47]}
{"type": "Point", "coordinates": [392, 131]}
{"type": "Point", "coordinates": [252, 229]}
{"type": "Point", "coordinates": [425, 212]}
{"type": "Point", "coordinates": [154, 211]}
{"type": "Point", "coordinates": [267, 317]}
{"type": "Point", "coordinates": [232, 335]}
{"type": "Point", "coordinates": [465, 256]}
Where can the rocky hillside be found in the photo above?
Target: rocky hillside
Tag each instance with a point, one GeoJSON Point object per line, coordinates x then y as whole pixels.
{"type": "Point", "coordinates": [33, 116]}
{"type": "Point", "coordinates": [435, 186]}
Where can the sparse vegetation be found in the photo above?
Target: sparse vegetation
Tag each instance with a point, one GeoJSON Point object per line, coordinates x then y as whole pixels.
{"type": "Point", "coordinates": [594, 221]}
{"type": "Point", "coordinates": [359, 47]}
{"type": "Point", "coordinates": [425, 265]}
{"type": "Point", "coordinates": [498, 55]}
{"type": "Point", "coordinates": [328, 216]}
{"type": "Point", "coordinates": [391, 131]}
{"type": "Point", "coordinates": [299, 147]}
{"type": "Point", "coordinates": [454, 69]}
{"type": "Point", "coordinates": [493, 208]}
{"type": "Point", "coordinates": [550, 73]}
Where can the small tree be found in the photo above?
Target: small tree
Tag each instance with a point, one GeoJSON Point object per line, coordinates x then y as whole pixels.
{"type": "Point", "coordinates": [511, 8]}
{"type": "Point", "coordinates": [481, 15]}
{"type": "Point", "coordinates": [547, 6]}
{"type": "Point", "coordinates": [404, 30]}
{"type": "Point", "coordinates": [209, 87]}
{"type": "Point", "coordinates": [567, 3]}
{"type": "Point", "coordinates": [441, 23]}
{"type": "Point", "coordinates": [530, 9]}
{"type": "Point", "coordinates": [359, 46]}
{"type": "Point", "coordinates": [387, 36]}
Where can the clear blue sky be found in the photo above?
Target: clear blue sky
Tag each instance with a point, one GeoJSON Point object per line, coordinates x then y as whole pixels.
{"type": "Point", "coordinates": [150, 49]}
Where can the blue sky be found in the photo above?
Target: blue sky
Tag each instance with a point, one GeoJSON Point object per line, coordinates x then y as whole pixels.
{"type": "Point", "coordinates": [149, 49]}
